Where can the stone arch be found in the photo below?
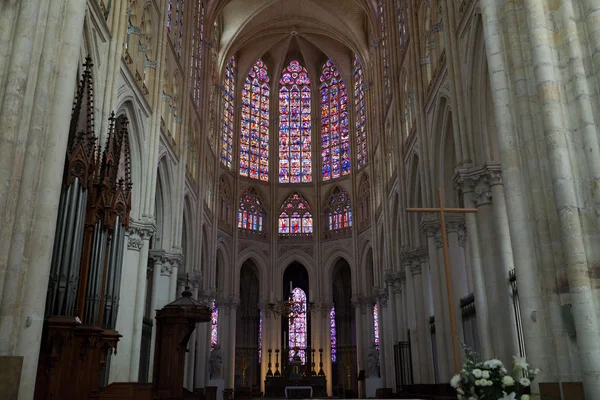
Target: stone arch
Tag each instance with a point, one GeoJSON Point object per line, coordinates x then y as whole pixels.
{"type": "Point", "coordinates": [261, 263]}
{"type": "Point", "coordinates": [187, 236]}
{"type": "Point", "coordinates": [138, 154]}
{"type": "Point", "coordinates": [164, 205]}
{"type": "Point", "coordinates": [444, 162]}
{"type": "Point", "coordinates": [301, 257]}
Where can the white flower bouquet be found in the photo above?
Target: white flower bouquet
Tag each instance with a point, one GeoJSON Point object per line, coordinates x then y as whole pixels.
{"type": "Point", "coordinates": [490, 380]}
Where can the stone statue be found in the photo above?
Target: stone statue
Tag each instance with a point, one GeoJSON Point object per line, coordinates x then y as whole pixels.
{"type": "Point", "coordinates": [373, 362]}
{"type": "Point", "coordinates": [214, 362]}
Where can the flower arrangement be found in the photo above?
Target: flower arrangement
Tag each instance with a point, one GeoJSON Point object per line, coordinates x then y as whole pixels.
{"type": "Point", "coordinates": [490, 380]}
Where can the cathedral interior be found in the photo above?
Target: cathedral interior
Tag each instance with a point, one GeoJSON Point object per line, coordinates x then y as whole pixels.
{"type": "Point", "coordinates": [215, 194]}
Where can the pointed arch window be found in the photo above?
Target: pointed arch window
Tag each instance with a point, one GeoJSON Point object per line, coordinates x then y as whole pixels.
{"type": "Point", "coordinates": [227, 121]}
{"type": "Point", "coordinates": [298, 326]}
{"type": "Point", "coordinates": [402, 10]}
{"type": "Point", "coordinates": [251, 211]}
{"type": "Point", "coordinates": [214, 326]}
{"type": "Point", "coordinates": [338, 212]}
{"type": "Point", "coordinates": [295, 164]}
{"type": "Point", "coordinates": [254, 136]}
{"type": "Point", "coordinates": [361, 114]}
{"type": "Point", "coordinates": [335, 136]}
{"type": "Point", "coordinates": [376, 325]}
{"type": "Point", "coordinates": [175, 25]}
{"type": "Point", "coordinates": [197, 49]}
{"type": "Point", "coordinates": [295, 218]}
{"type": "Point", "coordinates": [384, 50]}
{"type": "Point", "coordinates": [333, 334]}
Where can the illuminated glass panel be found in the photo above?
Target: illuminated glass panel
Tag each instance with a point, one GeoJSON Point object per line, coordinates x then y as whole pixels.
{"type": "Point", "coordinates": [214, 326]}
{"type": "Point", "coordinates": [335, 136]}
{"type": "Point", "coordinates": [401, 9]}
{"type": "Point", "coordinates": [260, 321]}
{"type": "Point", "coordinates": [376, 324]}
{"type": "Point", "coordinates": [295, 217]}
{"type": "Point", "coordinates": [361, 114]}
{"type": "Point", "coordinates": [228, 112]}
{"type": "Point", "coordinates": [333, 331]}
{"type": "Point", "coordinates": [298, 331]}
{"type": "Point", "coordinates": [197, 48]}
{"type": "Point", "coordinates": [251, 211]}
{"type": "Point", "coordinates": [384, 50]}
{"type": "Point", "coordinates": [295, 164]}
{"type": "Point", "coordinates": [254, 136]}
{"type": "Point", "coordinates": [180, 35]}
{"type": "Point", "coordinates": [338, 214]}
{"type": "Point", "coordinates": [169, 11]}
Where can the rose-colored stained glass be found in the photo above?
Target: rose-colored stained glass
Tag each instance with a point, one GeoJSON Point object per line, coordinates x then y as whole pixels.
{"type": "Point", "coordinates": [251, 211]}
{"type": "Point", "coordinates": [228, 113]}
{"type": "Point", "coordinates": [214, 326]}
{"type": "Point", "coordinates": [295, 217]}
{"type": "Point", "coordinates": [376, 324]}
{"type": "Point", "coordinates": [298, 330]}
{"type": "Point", "coordinates": [254, 136]}
{"type": "Point", "coordinates": [335, 135]}
{"type": "Point", "coordinates": [338, 214]}
{"type": "Point", "coordinates": [295, 165]}
{"type": "Point", "coordinates": [361, 114]}
{"type": "Point", "coordinates": [333, 334]}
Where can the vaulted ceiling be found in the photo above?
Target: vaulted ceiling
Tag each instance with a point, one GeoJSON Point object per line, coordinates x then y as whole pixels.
{"type": "Point", "coordinates": [311, 31]}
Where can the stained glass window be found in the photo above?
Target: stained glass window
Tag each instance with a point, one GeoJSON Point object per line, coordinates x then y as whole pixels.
{"type": "Point", "coordinates": [227, 119]}
{"type": "Point", "coordinates": [169, 11]}
{"type": "Point", "coordinates": [298, 326]}
{"type": "Point", "coordinates": [295, 217]}
{"type": "Point", "coordinates": [254, 136]}
{"type": "Point", "coordinates": [401, 9]}
{"type": "Point", "coordinates": [384, 50]}
{"type": "Point", "coordinates": [260, 320]}
{"type": "Point", "coordinates": [338, 213]}
{"type": "Point", "coordinates": [376, 324]}
{"type": "Point", "coordinates": [295, 164]}
{"type": "Point", "coordinates": [251, 211]}
{"type": "Point", "coordinates": [214, 326]}
{"type": "Point", "coordinates": [361, 114]}
{"type": "Point", "coordinates": [197, 48]}
{"type": "Point", "coordinates": [333, 332]}
{"type": "Point", "coordinates": [335, 136]}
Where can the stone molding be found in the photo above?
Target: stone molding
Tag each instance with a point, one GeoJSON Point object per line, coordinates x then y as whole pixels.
{"type": "Point", "coordinates": [380, 296]}
{"type": "Point", "coordinates": [479, 180]}
{"type": "Point", "coordinates": [228, 304]}
{"type": "Point", "coordinates": [166, 260]}
{"type": "Point", "coordinates": [138, 232]}
{"type": "Point", "coordinates": [193, 280]}
{"type": "Point", "coordinates": [362, 302]}
{"type": "Point", "coordinates": [415, 269]}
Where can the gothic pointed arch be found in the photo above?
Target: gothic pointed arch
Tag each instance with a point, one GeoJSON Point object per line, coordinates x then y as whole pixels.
{"type": "Point", "coordinates": [335, 133]}
{"type": "Point", "coordinates": [337, 212]}
{"type": "Point", "coordinates": [225, 203]}
{"type": "Point", "coordinates": [360, 110]}
{"type": "Point", "coordinates": [295, 162]}
{"type": "Point", "coordinates": [295, 217]}
{"type": "Point", "coordinates": [251, 212]}
{"type": "Point", "coordinates": [254, 135]}
{"type": "Point", "coordinates": [363, 203]}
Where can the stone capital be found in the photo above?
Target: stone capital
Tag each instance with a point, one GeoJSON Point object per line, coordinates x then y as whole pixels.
{"type": "Point", "coordinates": [229, 304]}
{"type": "Point", "coordinates": [361, 302]}
{"type": "Point", "coordinates": [430, 225]}
{"type": "Point", "coordinates": [139, 230]}
{"type": "Point", "coordinates": [479, 180]}
{"type": "Point", "coordinates": [380, 296]}
{"type": "Point", "coordinates": [415, 269]}
{"type": "Point", "coordinates": [423, 254]}
{"type": "Point", "coordinates": [455, 223]}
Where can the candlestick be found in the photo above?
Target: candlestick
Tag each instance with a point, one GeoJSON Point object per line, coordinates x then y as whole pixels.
{"type": "Point", "coordinates": [277, 373]}
{"type": "Point", "coordinates": [269, 372]}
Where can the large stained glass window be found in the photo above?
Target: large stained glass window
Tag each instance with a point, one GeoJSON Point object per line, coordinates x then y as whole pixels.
{"type": "Point", "coordinates": [384, 50]}
{"type": "Point", "coordinates": [335, 136]}
{"type": "Point", "coordinates": [376, 325]}
{"type": "Point", "coordinates": [169, 12]}
{"type": "Point", "coordinates": [298, 330]}
{"type": "Point", "coordinates": [338, 213]}
{"type": "Point", "coordinates": [402, 10]}
{"type": "Point", "coordinates": [251, 211]}
{"type": "Point", "coordinates": [227, 121]}
{"type": "Point", "coordinates": [295, 217]}
{"type": "Point", "coordinates": [175, 30]}
{"type": "Point", "coordinates": [295, 164]}
{"type": "Point", "coordinates": [260, 320]}
{"type": "Point", "coordinates": [197, 49]}
{"type": "Point", "coordinates": [254, 137]}
{"type": "Point", "coordinates": [214, 326]}
{"type": "Point", "coordinates": [361, 114]}
{"type": "Point", "coordinates": [333, 332]}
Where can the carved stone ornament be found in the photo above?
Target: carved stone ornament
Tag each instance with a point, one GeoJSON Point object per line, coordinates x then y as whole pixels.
{"type": "Point", "coordinates": [415, 269]}
{"type": "Point", "coordinates": [479, 180]}
{"type": "Point", "coordinates": [228, 304]}
{"type": "Point", "coordinates": [138, 232]}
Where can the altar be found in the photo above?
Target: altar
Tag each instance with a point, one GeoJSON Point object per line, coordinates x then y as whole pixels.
{"type": "Point", "coordinates": [315, 386]}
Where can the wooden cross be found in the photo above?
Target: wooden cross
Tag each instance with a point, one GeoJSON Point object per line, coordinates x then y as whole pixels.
{"type": "Point", "coordinates": [442, 211]}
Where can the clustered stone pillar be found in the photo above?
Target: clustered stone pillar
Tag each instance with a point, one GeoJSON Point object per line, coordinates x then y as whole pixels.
{"type": "Point", "coordinates": [227, 330]}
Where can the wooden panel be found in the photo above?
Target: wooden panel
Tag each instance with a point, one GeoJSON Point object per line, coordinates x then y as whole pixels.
{"type": "Point", "coordinates": [573, 390]}
{"type": "Point", "coordinates": [10, 376]}
{"type": "Point", "coordinates": [550, 391]}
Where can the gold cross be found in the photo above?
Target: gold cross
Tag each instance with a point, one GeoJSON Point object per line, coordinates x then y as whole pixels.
{"type": "Point", "coordinates": [442, 211]}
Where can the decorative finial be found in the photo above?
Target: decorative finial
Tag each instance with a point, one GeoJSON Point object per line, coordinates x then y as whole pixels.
{"type": "Point", "coordinates": [186, 292]}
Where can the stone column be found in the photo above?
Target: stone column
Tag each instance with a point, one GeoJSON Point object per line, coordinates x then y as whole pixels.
{"type": "Point", "coordinates": [411, 315]}
{"type": "Point", "coordinates": [127, 360]}
{"type": "Point", "coordinates": [466, 183]}
{"type": "Point", "coordinates": [421, 321]}
{"type": "Point", "coordinates": [203, 345]}
{"type": "Point", "coordinates": [400, 313]}
{"type": "Point", "coordinates": [229, 306]}
{"type": "Point", "coordinates": [455, 227]}
{"type": "Point", "coordinates": [431, 227]}
{"type": "Point", "coordinates": [422, 255]}
{"type": "Point", "coordinates": [386, 345]}
{"type": "Point", "coordinates": [194, 281]}
{"type": "Point", "coordinates": [393, 311]}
